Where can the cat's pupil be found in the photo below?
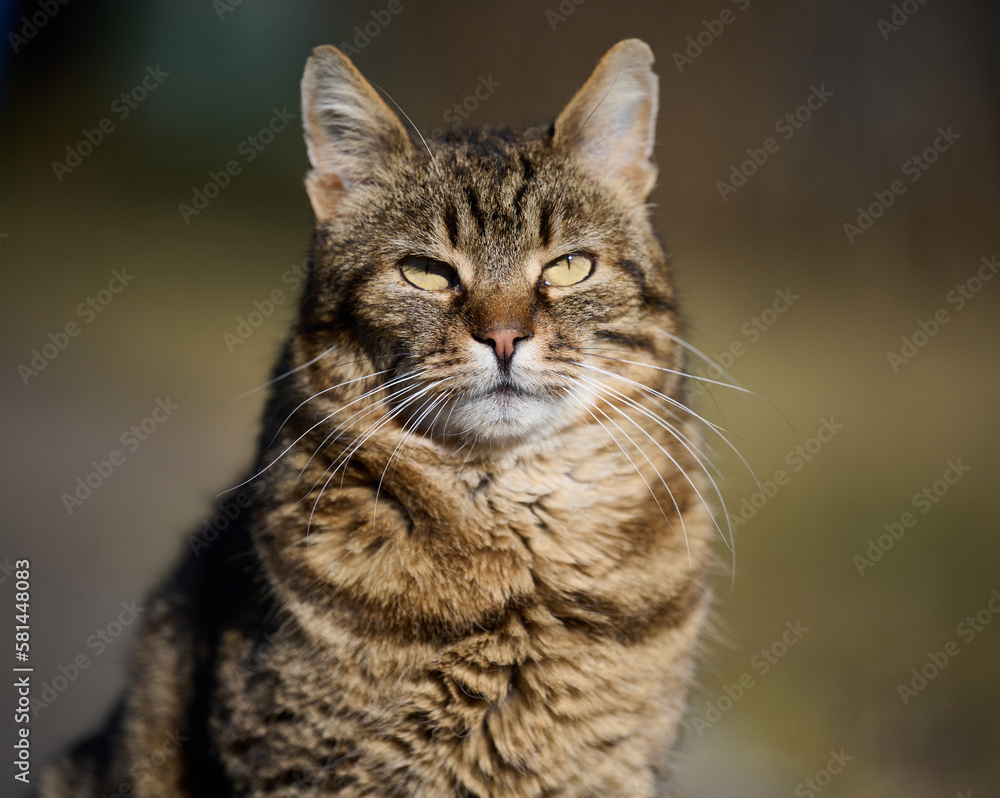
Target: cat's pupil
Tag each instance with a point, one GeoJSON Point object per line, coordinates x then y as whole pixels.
{"type": "Point", "coordinates": [568, 270]}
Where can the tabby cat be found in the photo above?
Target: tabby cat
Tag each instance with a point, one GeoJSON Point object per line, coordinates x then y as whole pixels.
{"type": "Point", "coordinates": [475, 551]}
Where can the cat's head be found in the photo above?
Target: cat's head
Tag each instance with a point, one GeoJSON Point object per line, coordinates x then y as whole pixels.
{"type": "Point", "coordinates": [494, 275]}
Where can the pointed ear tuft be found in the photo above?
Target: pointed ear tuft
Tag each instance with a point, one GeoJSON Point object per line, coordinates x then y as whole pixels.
{"type": "Point", "coordinates": [611, 122]}
{"type": "Point", "coordinates": [349, 129]}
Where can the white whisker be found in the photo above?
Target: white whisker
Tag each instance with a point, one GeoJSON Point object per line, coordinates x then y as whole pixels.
{"type": "Point", "coordinates": [714, 427]}
{"type": "Point", "coordinates": [731, 543]}
{"type": "Point", "coordinates": [404, 435]}
{"type": "Point", "coordinates": [712, 364]}
{"type": "Point", "coordinates": [320, 393]}
{"type": "Point", "coordinates": [365, 410]}
{"type": "Point", "coordinates": [293, 443]}
{"type": "Point", "coordinates": [422, 139]}
{"type": "Point", "coordinates": [345, 457]}
{"type": "Point", "coordinates": [686, 374]}
{"type": "Point", "coordinates": [693, 349]}
{"type": "Point", "coordinates": [642, 476]}
{"type": "Point", "coordinates": [288, 373]}
{"type": "Point", "coordinates": [669, 399]}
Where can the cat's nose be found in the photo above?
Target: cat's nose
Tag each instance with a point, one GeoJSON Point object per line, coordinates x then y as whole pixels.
{"type": "Point", "coordinates": [503, 342]}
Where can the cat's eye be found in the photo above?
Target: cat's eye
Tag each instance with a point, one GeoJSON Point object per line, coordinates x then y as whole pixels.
{"type": "Point", "coordinates": [568, 270]}
{"type": "Point", "coordinates": [428, 274]}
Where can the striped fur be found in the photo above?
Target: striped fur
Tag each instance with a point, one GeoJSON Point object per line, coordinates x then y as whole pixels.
{"type": "Point", "coordinates": [464, 573]}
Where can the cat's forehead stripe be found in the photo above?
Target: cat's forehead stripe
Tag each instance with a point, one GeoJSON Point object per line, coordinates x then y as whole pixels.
{"type": "Point", "coordinates": [494, 194]}
{"type": "Point", "coordinates": [545, 224]}
{"type": "Point", "coordinates": [475, 211]}
{"type": "Point", "coordinates": [451, 222]}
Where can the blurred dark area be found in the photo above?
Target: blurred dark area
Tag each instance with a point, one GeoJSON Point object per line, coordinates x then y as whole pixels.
{"type": "Point", "coordinates": [843, 275]}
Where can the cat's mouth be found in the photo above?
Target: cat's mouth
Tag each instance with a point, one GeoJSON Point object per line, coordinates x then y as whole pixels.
{"type": "Point", "coordinates": [507, 391]}
{"type": "Point", "coordinates": [503, 412]}
{"type": "Point", "coordinates": [508, 401]}
{"type": "Point", "coordinates": [501, 409]}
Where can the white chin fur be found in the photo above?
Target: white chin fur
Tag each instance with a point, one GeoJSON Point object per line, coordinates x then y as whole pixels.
{"type": "Point", "coordinates": [503, 419]}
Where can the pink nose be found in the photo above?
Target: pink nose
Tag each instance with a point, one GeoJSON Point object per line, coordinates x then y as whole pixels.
{"type": "Point", "coordinates": [503, 342]}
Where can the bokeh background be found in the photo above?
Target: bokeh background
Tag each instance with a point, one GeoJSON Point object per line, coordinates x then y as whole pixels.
{"type": "Point", "coordinates": [223, 70]}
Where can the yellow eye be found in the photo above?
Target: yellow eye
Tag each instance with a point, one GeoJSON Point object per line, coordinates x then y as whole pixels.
{"type": "Point", "coordinates": [428, 274]}
{"type": "Point", "coordinates": [568, 270]}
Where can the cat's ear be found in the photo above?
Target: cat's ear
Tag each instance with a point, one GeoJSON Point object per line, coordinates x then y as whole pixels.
{"type": "Point", "coordinates": [349, 129]}
{"type": "Point", "coordinates": [611, 122]}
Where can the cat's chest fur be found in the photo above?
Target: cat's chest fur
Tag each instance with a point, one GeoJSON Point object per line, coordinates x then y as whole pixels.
{"type": "Point", "coordinates": [487, 621]}
{"type": "Point", "coordinates": [434, 542]}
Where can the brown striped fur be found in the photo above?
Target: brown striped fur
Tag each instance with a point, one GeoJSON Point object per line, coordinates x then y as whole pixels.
{"type": "Point", "coordinates": [467, 571]}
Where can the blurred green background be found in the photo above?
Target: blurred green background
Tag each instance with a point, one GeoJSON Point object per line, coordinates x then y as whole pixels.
{"type": "Point", "coordinates": [770, 713]}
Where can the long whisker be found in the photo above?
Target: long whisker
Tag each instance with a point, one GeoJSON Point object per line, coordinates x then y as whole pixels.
{"type": "Point", "coordinates": [335, 466]}
{"type": "Point", "coordinates": [705, 461]}
{"type": "Point", "coordinates": [288, 373]}
{"type": "Point", "coordinates": [293, 443]}
{"type": "Point", "coordinates": [573, 395]}
{"type": "Point", "coordinates": [709, 463]}
{"type": "Point", "coordinates": [346, 456]}
{"type": "Point", "coordinates": [669, 399]}
{"type": "Point", "coordinates": [714, 427]}
{"type": "Point", "coordinates": [686, 374]}
{"type": "Point", "coordinates": [320, 393]}
{"type": "Point", "coordinates": [366, 410]}
{"type": "Point", "coordinates": [651, 463]}
{"type": "Point", "coordinates": [414, 391]}
{"type": "Point", "coordinates": [731, 542]}
{"type": "Point", "coordinates": [681, 439]}
{"type": "Point", "coordinates": [430, 404]}
{"type": "Point", "coordinates": [415, 128]}
{"type": "Point", "coordinates": [694, 350]}
{"type": "Point", "coordinates": [638, 471]}
{"type": "Point", "coordinates": [712, 364]}
{"type": "Point", "coordinates": [443, 402]}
